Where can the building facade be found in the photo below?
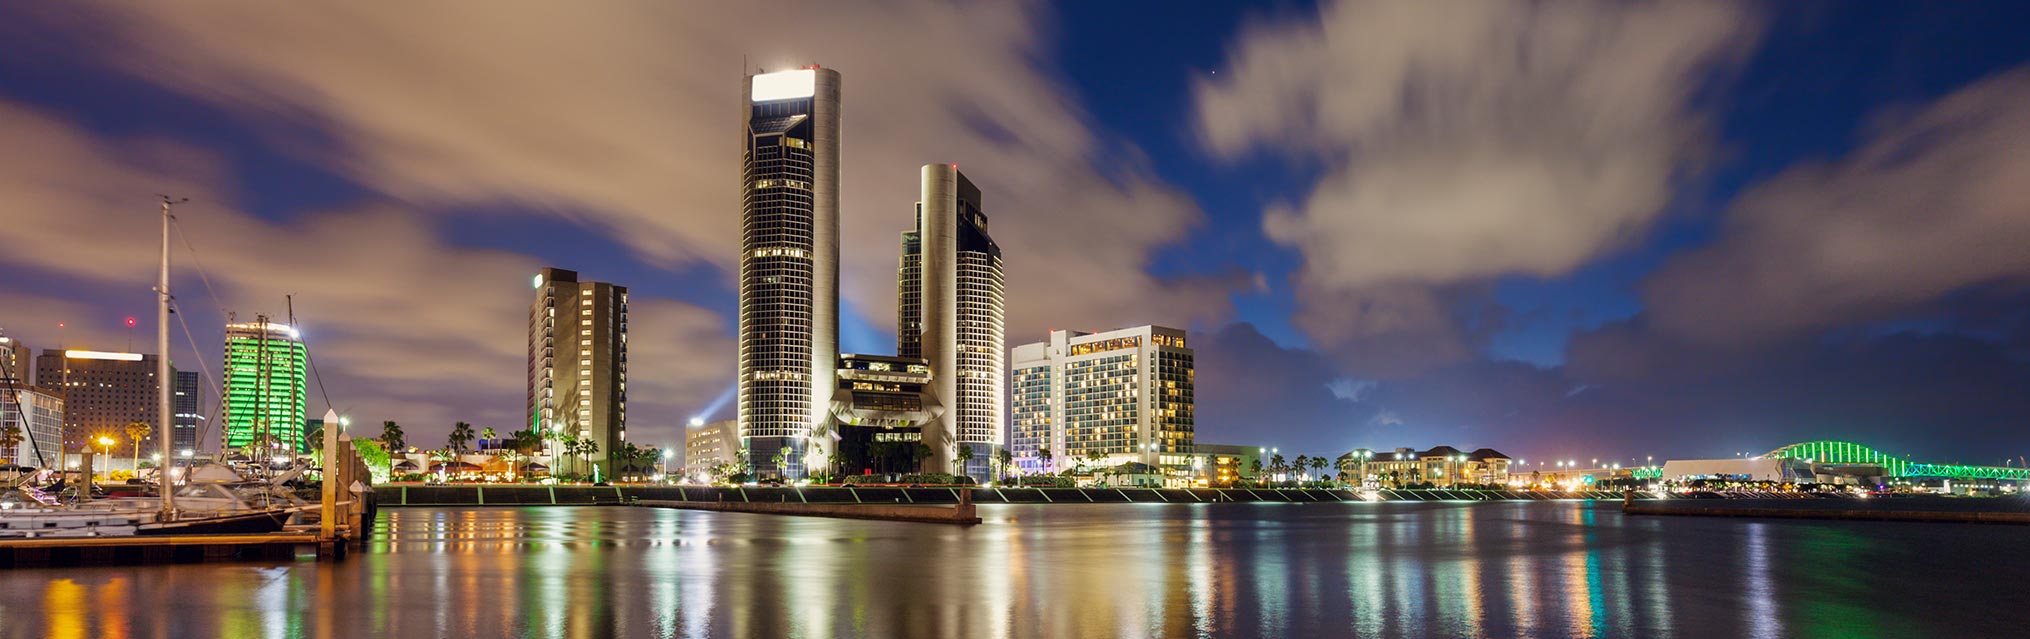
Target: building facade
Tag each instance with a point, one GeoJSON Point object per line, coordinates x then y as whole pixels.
{"type": "Point", "coordinates": [37, 418]}
{"type": "Point", "coordinates": [17, 361]}
{"type": "Point", "coordinates": [187, 407]}
{"type": "Point", "coordinates": [707, 446]}
{"type": "Point", "coordinates": [261, 399]}
{"type": "Point", "coordinates": [1103, 399]}
{"type": "Point", "coordinates": [951, 311]}
{"type": "Point", "coordinates": [879, 414]}
{"type": "Point", "coordinates": [577, 377]}
{"type": "Point", "coordinates": [1441, 466]}
{"type": "Point", "coordinates": [789, 265]}
{"type": "Point", "coordinates": [102, 392]}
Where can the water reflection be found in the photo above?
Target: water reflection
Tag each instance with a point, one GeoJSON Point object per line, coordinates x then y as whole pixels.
{"type": "Point", "coordinates": [1130, 570]}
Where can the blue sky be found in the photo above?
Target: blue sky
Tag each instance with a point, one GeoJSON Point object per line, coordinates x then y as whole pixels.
{"type": "Point", "coordinates": [1696, 266]}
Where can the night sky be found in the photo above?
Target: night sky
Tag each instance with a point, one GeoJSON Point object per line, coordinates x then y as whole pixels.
{"type": "Point", "coordinates": [1564, 230]}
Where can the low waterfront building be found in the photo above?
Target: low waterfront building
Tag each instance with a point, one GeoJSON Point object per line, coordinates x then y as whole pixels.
{"type": "Point", "coordinates": [1771, 469]}
{"type": "Point", "coordinates": [1223, 465]}
{"type": "Point", "coordinates": [1442, 466]}
{"type": "Point", "coordinates": [710, 445]}
{"type": "Point", "coordinates": [879, 414]}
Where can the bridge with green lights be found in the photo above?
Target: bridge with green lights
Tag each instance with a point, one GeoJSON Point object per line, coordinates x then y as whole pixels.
{"type": "Point", "coordinates": [1838, 452]}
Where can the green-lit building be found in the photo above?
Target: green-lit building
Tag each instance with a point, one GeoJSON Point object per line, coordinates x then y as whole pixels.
{"type": "Point", "coordinates": [264, 386]}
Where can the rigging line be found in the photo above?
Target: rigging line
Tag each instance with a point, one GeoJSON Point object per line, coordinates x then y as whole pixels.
{"type": "Point", "coordinates": [218, 381]}
{"type": "Point", "coordinates": [312, 362]}
{"type": "Point", "coordinates": [201, 274]}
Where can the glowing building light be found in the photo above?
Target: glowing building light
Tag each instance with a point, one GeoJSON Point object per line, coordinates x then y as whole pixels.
{"type": "Point", "coordinates": [801, 83]}
{"type": "Point", "coordinates": [124, 357]}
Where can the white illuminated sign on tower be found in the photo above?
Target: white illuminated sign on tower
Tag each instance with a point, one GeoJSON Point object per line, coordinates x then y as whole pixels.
{"type": "Point", "coordinates": [784, 85]}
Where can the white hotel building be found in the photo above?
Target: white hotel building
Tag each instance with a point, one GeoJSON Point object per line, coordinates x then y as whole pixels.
{"type": "Point", "coordinates": [1107, 398]}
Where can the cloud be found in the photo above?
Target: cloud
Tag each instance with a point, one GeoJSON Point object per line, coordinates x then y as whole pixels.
{"type": "Point", "coordinates": [403, 326]}
{"type": "Point", "coordinates": [1253, 392]}
{"type": "Point", "coordinates": [1465, 143]}
{"type": "Point", "coordinates": [622, 116]}
{"type": "Point", "coordinates": [1929, 204]}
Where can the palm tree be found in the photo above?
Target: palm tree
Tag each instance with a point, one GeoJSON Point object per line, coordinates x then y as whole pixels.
{"type": "Point", "coordinates": [486, 437]}
{"type": "Point", "coordinates": [391, 437]}
{"type": "Point", "coordinates": [513, 458]}
{"type": "Point", "coordinates": [460, 434]}
{"type": "Point", "coordinates": [923, 453]}
{"type": "Point", "coordinates": [1007, 458]}
{"type": "Point", "coordinates": [965, 456]}
{"type": "Point", "coordinates": [10, 437]}
{"type": "Point", "coordinates": [1256, 465]}
{"type": "Point", "coordinates": [137, 431]}
{"type": "Point", "coordinates": [1303, 467]}
{"type": "Point", "coordinates": [586, 448]}
{"type": "Point", "coordinates": [1318, 464]}
{"type": "Point", "coordinates": [1044, 454]}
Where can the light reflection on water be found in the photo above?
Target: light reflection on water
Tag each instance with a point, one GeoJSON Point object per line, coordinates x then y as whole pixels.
{"type": "Point", "coordinates": [1131, 570]}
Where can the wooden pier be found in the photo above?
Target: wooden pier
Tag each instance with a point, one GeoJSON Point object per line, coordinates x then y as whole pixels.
{"type": "Point", "coordinates": [111, 551]}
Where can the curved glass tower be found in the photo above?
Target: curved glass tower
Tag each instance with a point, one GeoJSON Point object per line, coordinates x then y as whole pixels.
{"type": "Point", "coordinates": [951, 313]}
{"type": "Point", "coordinates": [789, 265]}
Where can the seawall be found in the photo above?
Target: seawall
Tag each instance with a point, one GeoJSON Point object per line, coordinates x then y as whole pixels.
{"type": "Point", "coordinates": [398, 495]}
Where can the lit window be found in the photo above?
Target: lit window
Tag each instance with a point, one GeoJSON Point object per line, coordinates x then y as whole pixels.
{"type": "Point", "coordinates": [584, 342]}
{"type": "Point", "coordinates": [584, 362]}
{"type": "Point", "coordinates": [585, 312]}
{"type": "Point", "coordinates": [585, 332]}
{"type": "Point", "coordinates": [584, 322]}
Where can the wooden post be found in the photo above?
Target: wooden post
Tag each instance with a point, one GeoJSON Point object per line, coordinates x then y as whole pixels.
{"type": "Point", "coordinates": [327, 519]}
{"type": "Point", "coordinates": [84, 473]}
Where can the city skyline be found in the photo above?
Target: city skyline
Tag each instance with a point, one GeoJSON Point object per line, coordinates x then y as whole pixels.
{"type": "Point", "coordinates": [1741, 278]}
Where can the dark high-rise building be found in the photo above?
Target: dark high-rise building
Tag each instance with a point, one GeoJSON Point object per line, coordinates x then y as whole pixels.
{"type": "Point", "coordinates": [951, 314]}
{"type": "Point", "coordinates": [188, 406]}
{"type": "Point", "coordinates": [102, 392]}
{"type": "Point", "coordinates": [789, 266]}
{"type": "Point", "coordinates": [578, 365]}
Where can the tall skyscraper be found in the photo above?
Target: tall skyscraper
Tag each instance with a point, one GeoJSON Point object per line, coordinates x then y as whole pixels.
{"type": "Point", "coordinates": [265, 380]}
{"type": "Point", "coordinates": [188, 406]}
{"type": "Point", "coordinates": [578, 365]}
{"type": "Point", "coordinates": [102, 392]}
{"type": "Point", "coordinates": [1113, 397]}
{"type": "Point", "coordinates": [950, 312]}
{"type": "Point", "coordinates": [789, 265]}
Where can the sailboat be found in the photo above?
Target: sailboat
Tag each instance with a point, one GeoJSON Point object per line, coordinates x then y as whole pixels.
{"type": "Point", "coordinates": [211, 498]}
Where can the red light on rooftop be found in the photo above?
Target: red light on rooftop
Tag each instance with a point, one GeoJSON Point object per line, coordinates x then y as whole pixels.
{"type": "Point", "coordinates": [130, 322]}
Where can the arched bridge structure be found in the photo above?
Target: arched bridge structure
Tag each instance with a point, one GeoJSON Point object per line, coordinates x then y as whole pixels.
{"type": "Point", "coordinates": [1839, 452]}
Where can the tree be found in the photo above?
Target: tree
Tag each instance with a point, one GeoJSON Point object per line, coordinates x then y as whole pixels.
{"type": "Point", "coordinates": [10, 437]}
{"type": "Point", "coordinates": [487, 437]}
{"type": "Point", "coordinates": [1303, 466]}
{"type": "Point", "coordinates": [586, 448]}
{"type": "Point", "coordinates": [391, 437]}
{"type": "Point", "coordinates": [138, 431]}
{"type": "Point", "coordinates": [525, 441]}
{"type": "Point", "coordinates": [1044, 454]}
{"type": "Point", "coordinates": [964, 457]}
{"type": "Point", "coordinates": [460, 434]}
{"type": "Point", "coordinates": [923, 453]}
{"type": "Point", "coordinates": [1318, 464]}
{"type": "Point", "coordinates": [313, 437]}
{"type": "Point", "coordinates": [1277, 465]}
{"type": "Point", "coordinates": [1007, 458]}
{"type": "Point", "coordinates": [1256, 466]}
{"type": "Point", "coordinates": [514, 459]}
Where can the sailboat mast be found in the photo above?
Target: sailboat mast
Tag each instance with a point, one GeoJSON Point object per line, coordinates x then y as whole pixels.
{"type": "Point", "coordinates": [163, 384]}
